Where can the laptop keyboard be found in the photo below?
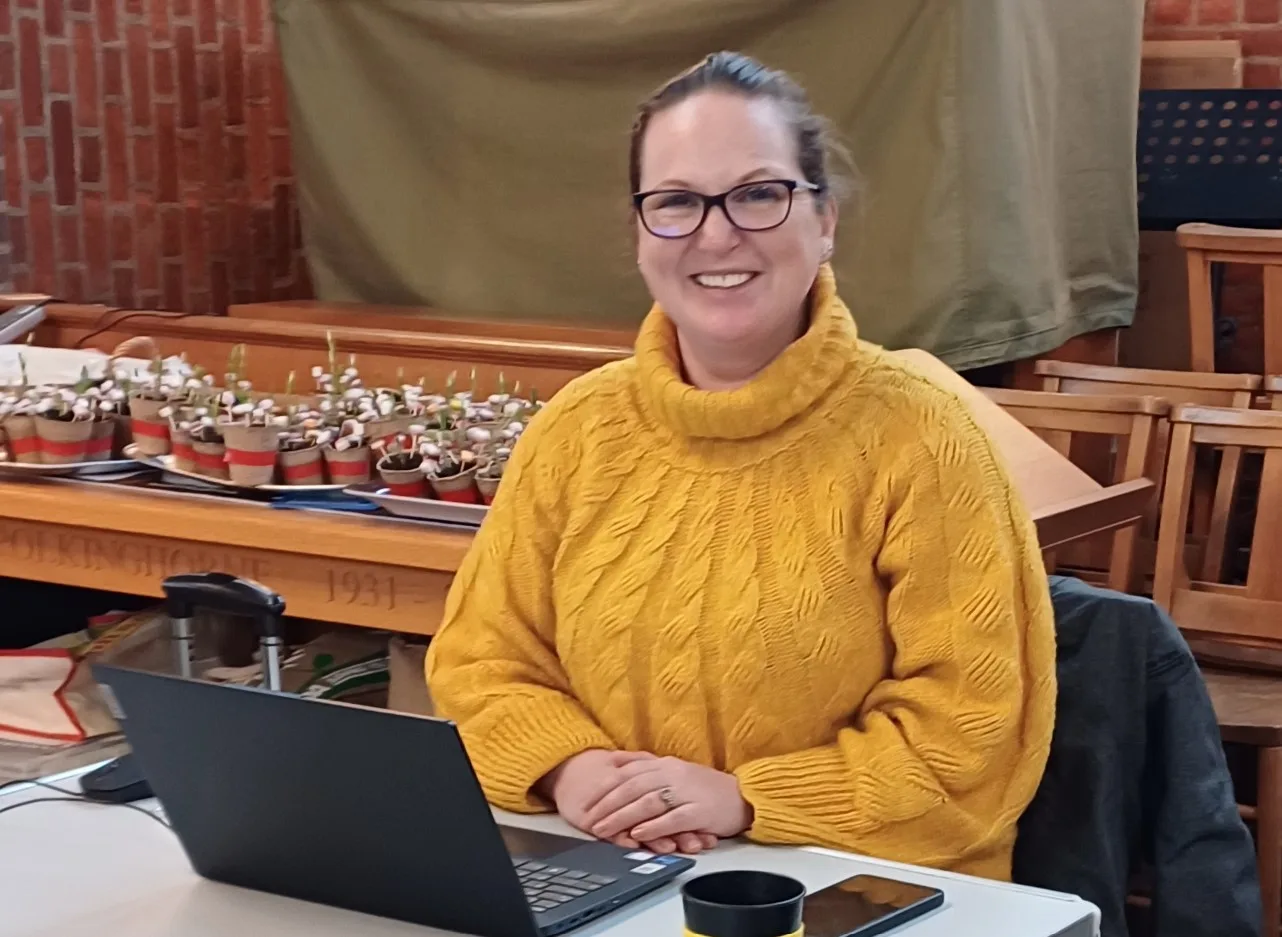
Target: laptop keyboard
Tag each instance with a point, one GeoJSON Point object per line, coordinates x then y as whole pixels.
{"type": "Point", "coordinates": [548, 886]}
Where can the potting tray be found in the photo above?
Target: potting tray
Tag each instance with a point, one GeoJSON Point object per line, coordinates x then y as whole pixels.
{"type": "Point", "coordinates": [423, 509]}
{"type": "Point", "coordinates": [69, 470]}
{"type": "Point", "coordinates": [166, 464]}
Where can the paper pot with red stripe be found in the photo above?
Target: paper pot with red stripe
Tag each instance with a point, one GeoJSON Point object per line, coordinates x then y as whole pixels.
{"type": "Point", "coordinates": [302, 466]}
{"type": "Point", "coordinates": [389, 427]}
{"type": "Point", "coordinates": [459, 488]}
{"type": "Point", "coordinates": [407, 482]}
{"type": "Point", "coordinates": [488, 486]}
{"type": "Point", "coordinates": [150, 429]}
{"type": "Point", "coordinates": [63, 441]}
{"type": "Point", "coordinates": [181, 442]}
{"type": "Point", "coordinates": [19, 430]}
{"type": "Point", "coordinates": [347, 466]}
{"type": "Point", "coordinates": [211, 459]}
{"type": "Point", "coordinates": [251, 452]}
{"type": "Point", "coordinates": [102, 442]}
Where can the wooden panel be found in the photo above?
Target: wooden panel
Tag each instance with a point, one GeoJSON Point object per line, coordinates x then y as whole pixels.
{"type": "Point", "coordinates": [1273, 318]}
{"type": "Point", "coordinates": [1235, 615]}
{"type": "Point", "coordinates": [1101, 347]}
{"type": "Point", "coordinates": [277, 348]}
{"type": "Point", "coordinates": [426, 319]}
{"type": "Point", "coordinates": [1191, 64]}
{"type": "Point", "coordinates": [1097, 404]}
{"type": "Point", "coordinates": [1155, 382]}
{"type": "Point", "coordinates": [214, 520]}
{"type": "Point", "coordinates": [372, 594]}
{"type": "Point", "coordinates": [1224, 242]}
{"type": "Point", "coordinates": [1104, 510]}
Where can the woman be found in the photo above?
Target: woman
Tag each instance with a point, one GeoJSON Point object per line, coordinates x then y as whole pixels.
{"type": "Point", "coordinates": [761, 578]}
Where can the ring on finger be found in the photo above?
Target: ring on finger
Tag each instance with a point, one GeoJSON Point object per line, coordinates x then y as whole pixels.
{"type": "Point", "coordinates": [669, 801]}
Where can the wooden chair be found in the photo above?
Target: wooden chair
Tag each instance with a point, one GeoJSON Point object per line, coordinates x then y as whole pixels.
{"type": "Point", "coordinates": [1249, 614]}
{"type": "Point", "coordinates": [1207, 244]}
{"type": "Point", "coordinates": [1131, 421]}
{"type": "Point", "coordinates": [1208, 530]}
{"type": "Point", "coordinates": [1248, 708]}
{"type": "Point", "coordinates": [1273, 387]}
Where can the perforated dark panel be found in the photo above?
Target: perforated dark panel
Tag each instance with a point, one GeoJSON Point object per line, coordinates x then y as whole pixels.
{"type": "Point", "coordinates": [1210, 156]}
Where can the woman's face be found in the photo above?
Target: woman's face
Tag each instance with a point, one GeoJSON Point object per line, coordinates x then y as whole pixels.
{"type": "Point", "coordinates": [722, 284]}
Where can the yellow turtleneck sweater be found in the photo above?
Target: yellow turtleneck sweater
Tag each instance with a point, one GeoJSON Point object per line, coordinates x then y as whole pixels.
{"type": "Point", "coordinates": [822, 582]}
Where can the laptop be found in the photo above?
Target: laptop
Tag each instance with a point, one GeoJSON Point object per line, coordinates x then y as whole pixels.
{"type": "Point", "coordinates": [358, 808]}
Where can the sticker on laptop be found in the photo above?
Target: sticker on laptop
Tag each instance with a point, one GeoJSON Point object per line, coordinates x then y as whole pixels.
{"type": "Point", "coordinates": [640, 856]}
{"type": "Point", "coordinates": [648, 869]}
{"type": "Point", "coordinates": [667, 860]}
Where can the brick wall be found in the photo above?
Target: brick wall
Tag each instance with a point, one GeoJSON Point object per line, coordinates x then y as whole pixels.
{"type": "Point", "coordinates": [1257, 23]}
{"type": "Point", "coordinates": [145, 158]}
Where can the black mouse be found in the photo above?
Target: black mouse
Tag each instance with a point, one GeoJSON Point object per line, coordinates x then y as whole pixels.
{"type": "Point", "coordinates": [119, 782]}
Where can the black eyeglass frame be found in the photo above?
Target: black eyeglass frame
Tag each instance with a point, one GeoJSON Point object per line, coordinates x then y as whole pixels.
{"type": "Point", "coordinates": [719, 201]}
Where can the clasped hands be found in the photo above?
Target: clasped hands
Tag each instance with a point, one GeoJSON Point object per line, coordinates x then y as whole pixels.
{"type": "Point", "coordinates": [636, 799]}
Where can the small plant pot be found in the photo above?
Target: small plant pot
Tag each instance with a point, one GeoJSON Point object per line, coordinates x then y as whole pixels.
{"type": "Point", "coordinates": [408, 483]}
{"type": "Point", "coordinates": [251, 453]}
{"type": "Point", "coordinates": [460, 488]}
{"type": "Point", "coordinates": [63, 442]}
{"type": "Point", "coordinates": [124, 432]}
{"type": "Point", "coordinates": [488, 487]}
{"type": "Point", "coordinates": [21, 438]}
{"type": "Point", "coordinates": [211, 459]}
{"type": "Point", "coordinates": [389, 428]}
{"type": "Point", "coordinates": [184, 455]}
{"type": "Point", "coordinates": [102, 442]}
{"type": "Point", "coordinates": [149, 429]}
{"type": "Point", "coordinates": [302, 466]}
{"type": "Point", "coordinates": [347, 466]}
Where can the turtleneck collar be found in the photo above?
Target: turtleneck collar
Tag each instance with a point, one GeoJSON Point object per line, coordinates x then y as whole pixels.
{"type": "Point", "coordinates": [786, 388]}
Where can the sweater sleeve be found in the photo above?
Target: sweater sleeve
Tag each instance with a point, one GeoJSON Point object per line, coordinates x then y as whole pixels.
{"type": "Point", "coordinates": [945, 752]}
{"type": "Point", "coordinates": [492, 666]}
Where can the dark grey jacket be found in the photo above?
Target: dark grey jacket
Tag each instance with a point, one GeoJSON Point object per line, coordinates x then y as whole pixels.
{"type": "Point", "coordinates": [1136, 775]}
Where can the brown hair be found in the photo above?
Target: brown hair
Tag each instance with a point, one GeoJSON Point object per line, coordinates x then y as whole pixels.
{"type": "Point", "coordinates": [817, 147]}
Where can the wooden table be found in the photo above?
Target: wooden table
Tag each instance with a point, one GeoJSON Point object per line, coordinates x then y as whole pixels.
{"type": "Point", "coordinates": [380, 572]}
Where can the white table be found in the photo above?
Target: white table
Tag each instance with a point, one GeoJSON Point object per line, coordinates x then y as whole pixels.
{"type": "Point", "coordinates": [84, 870]}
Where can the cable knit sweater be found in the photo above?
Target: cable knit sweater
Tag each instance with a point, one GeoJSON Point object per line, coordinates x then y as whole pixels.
{"type": "Point", "coordinates": [822, 582]}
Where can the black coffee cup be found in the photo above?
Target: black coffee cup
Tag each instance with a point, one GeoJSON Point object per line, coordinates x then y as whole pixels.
{"type": "Point", "coordinates": [743, 904]}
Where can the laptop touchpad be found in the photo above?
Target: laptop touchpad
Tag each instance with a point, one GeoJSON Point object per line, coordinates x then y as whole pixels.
{"type": "Point", "coordinates": [531, 844]}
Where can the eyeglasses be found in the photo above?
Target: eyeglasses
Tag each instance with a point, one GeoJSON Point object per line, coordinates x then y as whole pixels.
{"type": "Point", "coordinates": [753, 206]}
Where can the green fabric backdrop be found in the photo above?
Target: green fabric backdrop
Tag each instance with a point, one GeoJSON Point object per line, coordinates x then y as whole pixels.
{"type": "Point", "coordinates": [471, 154]}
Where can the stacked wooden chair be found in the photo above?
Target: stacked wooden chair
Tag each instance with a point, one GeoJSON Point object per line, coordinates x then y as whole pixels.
{"type": "Point", "coordinates": [1214, 567]}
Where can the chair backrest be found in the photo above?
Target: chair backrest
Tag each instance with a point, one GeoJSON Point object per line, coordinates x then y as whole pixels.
{"type": "Point", "coordinates": [1131, 421]}
{"type": "Point", "coordinates": [1247, 612]}
{"type": "Point", "coordinates": [1178, 388]}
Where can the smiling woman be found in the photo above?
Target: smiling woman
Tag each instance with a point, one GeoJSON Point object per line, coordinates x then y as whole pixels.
{"type": "Point", "coordinates": [761, 578]}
